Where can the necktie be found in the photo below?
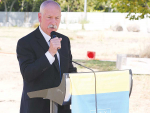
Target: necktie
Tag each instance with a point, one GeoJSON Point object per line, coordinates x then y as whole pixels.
{"type": "Point", "coordinates": [56, 61]}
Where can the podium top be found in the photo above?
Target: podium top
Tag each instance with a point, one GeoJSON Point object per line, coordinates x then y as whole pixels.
{"type": "Point", "coordinates": [56, 94]}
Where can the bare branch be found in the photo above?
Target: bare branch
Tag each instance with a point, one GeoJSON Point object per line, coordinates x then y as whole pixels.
{"type": "Point", "coordinates": [5, 5]}
{"type": "Point", "coordinates": [12, 5]}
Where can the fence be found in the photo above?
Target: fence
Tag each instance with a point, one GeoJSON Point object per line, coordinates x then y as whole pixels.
{"type": "Point", "coordinates": [74, 20]}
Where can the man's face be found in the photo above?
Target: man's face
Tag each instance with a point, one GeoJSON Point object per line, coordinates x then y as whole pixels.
{"type": "Point", "coordinates": [51, 17]}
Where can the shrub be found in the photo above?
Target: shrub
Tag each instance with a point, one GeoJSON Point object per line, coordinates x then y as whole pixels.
{"type": "Point", "coordinates": [145, 53]}
{"type": "Point", "coordinates": [36, 25]}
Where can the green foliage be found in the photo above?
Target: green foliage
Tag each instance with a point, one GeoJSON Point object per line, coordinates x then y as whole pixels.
{"type": "Point", "coordinates": [2, 7]}
{"type": "Point", "coordinates": [78, 5]}
{"type": "Point", "coordinates": [132, 7]}
{"type": "Point", "coordinates": [21, 5]}
{"type": "Point", "coordinates": [66, 5]}
{"type": "Point", "coordinates": [71, 5]}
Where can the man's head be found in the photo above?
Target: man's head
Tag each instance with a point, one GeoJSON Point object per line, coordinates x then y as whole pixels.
{"type": "Point", "coordinates": [49, 16]}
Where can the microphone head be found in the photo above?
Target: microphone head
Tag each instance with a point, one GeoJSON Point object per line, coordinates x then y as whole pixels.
{"type": "Point", "coordinates": [53, 34]}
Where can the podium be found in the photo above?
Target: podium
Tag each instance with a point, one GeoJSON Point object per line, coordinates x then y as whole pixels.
{"type": "Point", "coordinates": [62, 94]}
{"type": "Point", "coordinates": [56, 95]}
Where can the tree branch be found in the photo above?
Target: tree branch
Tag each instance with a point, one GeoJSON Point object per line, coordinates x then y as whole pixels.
{"type": "Point", "coordinates": [5, 5]}
{"type": "Point", "coordinates": [12, 5]}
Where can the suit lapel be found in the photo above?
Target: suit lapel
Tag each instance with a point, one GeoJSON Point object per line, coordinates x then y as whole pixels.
{"type": "Point", "coordinates": [41, 40]}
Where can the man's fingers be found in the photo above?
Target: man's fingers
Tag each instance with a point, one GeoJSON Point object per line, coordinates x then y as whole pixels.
{"type": "Point", "coordinates": [56, 43]}
{"type": "Point", "coordinates": [56, 38]}
{"type": "Point", "coordinates": [60, 39]}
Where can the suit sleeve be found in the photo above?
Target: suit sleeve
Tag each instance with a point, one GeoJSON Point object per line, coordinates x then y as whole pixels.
{"type": "Point", "coordinates": [30, 66]}
{"type": "Point", "coordinates": [72, 69]}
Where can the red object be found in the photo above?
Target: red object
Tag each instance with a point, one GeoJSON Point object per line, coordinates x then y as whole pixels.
{"type": "Point", "coordinates": [91, 54]}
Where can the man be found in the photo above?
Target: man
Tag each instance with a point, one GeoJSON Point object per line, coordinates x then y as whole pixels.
{"type": "Point", "coordinates": [40, 60]}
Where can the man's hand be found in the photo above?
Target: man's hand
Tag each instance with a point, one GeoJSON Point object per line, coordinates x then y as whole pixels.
{"type": "Point", "coordinates": [55, 44]}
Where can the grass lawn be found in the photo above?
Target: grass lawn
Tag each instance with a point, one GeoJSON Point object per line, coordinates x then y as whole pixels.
{"type": "Point", "coordinates": [97, 65]}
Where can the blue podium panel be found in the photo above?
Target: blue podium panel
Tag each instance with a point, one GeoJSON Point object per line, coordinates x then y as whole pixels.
{"type": "Point", "coordinates": [112, 91]}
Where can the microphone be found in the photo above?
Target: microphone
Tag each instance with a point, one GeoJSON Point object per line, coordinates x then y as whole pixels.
{"type": "Point", "coordinates": [95, 83]}
{"type": "Point", "coordinates": [53, 35]}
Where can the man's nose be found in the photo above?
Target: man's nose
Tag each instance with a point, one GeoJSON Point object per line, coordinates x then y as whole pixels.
{"type": "Point", "coordinates": [53, 21]}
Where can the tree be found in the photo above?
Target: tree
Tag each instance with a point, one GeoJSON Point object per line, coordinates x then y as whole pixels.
{"type": "Point", "coordinates": [71, 5]}
{"type": "Point", "coordinates": [78, 5]}
{"type": "Point", "coordinates": [29, 5]}
{"type": "Point", "coordinates": [8, 4]}
{"type": "Point", "coordinates": [132, 7]}
{"type": "Point", "coordinates": [20, 5]}
{"type": "Point", "coordinates": [66, 5]}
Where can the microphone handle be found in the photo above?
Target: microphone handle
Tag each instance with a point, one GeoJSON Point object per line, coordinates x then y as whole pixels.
{"type": "Point", "coordinates": [54, 37]}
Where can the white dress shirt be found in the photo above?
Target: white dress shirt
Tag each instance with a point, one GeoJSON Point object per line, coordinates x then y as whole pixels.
{"type": "Point", "coordinates": [50, 58]}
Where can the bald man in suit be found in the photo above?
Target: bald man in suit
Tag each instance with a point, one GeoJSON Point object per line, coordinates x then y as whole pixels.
{"type": "Point", "coordinates": [41, 64]}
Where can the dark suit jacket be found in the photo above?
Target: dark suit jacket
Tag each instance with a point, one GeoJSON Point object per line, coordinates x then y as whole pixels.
{"type": "Point", "coordinates": [36, 70]}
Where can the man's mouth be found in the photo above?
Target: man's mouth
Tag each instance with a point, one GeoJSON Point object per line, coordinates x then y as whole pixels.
{"type": "Point", "coordinates": [52, 26]}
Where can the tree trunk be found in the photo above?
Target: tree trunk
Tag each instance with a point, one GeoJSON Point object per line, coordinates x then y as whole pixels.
{"type": "Point", "coordinates": [12, 5]}
{"type": "Point", "coordinates": [5, 6]}
{"type": "Point", "coordinates": [147, 5]}
{"type": "Point", "coordinates": [34, 5]}
{"type": "Point", "coordinates": [22, 5]}
{"type": "Point", "coordinates": [68, 7]}
{"type": "Point", "coordinates": [72, 5]}
{"type": "Point", "coordinates": [6, 14]}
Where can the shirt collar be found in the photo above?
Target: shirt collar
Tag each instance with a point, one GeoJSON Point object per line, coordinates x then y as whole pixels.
{"type": "Point", "coordinates": [47, 37]}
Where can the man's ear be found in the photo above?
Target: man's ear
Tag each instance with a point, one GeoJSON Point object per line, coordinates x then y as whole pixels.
{"type": "Point", "coordinates": [40, 17]}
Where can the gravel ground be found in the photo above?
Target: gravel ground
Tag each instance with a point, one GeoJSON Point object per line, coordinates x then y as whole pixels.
{"type": "Point", "coordinates": [106, 44]}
